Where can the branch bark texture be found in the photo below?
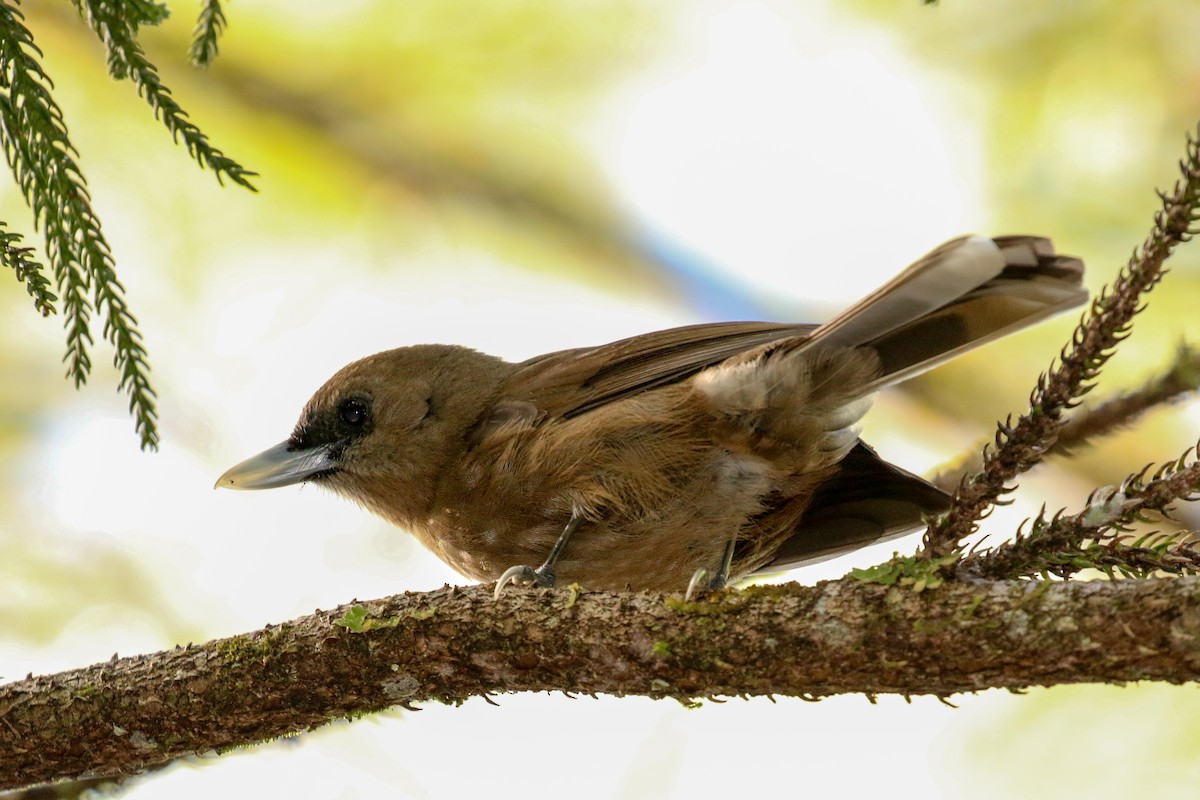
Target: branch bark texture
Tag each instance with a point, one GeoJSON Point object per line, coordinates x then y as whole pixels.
{"type": "Point", "coordinates": [130, 714]}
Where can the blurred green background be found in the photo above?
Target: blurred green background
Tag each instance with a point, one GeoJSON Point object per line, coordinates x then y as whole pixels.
{"type": "Point", "coordinates": [529, 176]}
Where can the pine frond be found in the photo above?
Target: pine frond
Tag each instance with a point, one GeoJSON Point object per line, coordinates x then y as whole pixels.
{"type": "Point", "coordinates": [208, 31]}
{"type": "Point", "coordinates": [126, 59]}
{"type": "Point", "coordinates": [1181, 380]}
{"type": "Point", "coordinates": [1099, 536]}
{"type": "Point", "coordinates": [144, 12]}
{"type": "Point", "coordinates": [136, 13]}
{"type": "Point", "coordinates": [38, 150]}
{"type": "Point", "coordinates": [27, 269]}
{"type": "Point", "coordinates": [1018, 447]}
{"type": "Point", "coordinates": [36, 144]}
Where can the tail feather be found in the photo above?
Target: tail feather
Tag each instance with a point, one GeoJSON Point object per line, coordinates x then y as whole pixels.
{"type": "Point", "coordinates": [951, 270]}
{"type": "Point", "coordinates": [966, 293]}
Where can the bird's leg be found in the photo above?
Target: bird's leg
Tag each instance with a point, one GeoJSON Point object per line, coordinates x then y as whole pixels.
{"type": "Point", "coordinates": [543, 575]}
{"type": "Point", "coordinates": [719, 577]}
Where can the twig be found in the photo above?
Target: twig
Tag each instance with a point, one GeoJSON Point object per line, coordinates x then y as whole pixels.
{"type": "Point", "coordinates": [1020, 446]}
{"type": "Point", "coordinates": [1180, 380]}
{"type": "Point", "coordinates": [1097, 537]}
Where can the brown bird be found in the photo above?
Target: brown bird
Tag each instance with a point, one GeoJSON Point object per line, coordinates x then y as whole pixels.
{"type": "Point", "coordinates": [684, 457]}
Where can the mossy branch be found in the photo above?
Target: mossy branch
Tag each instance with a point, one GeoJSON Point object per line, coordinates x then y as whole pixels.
{"type": "Point", "coordinates": [845, 636]}
{"type": "Point", "coordinates": [1020, 446]}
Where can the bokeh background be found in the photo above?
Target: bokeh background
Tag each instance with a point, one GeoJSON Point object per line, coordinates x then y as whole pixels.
{"type": "Point", "coordinates": [529, 176]}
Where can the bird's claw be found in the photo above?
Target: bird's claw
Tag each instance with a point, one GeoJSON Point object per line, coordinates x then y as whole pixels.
{"type": "Point", "coordinates": [703, 579]}
{"type": "Point", "coordinates": [522, 574]}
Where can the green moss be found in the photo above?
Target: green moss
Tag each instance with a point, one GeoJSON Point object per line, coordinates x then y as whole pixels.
{"type": "Point", "coordinates": [925, 627]}
{"type": "Point", "coordinates": [986, 626]}
{"type": "Point", "coordinates": [916, 571]}
{"type": "Point", "coordinates": [1042, 587]}
{"type": "Point", "coordinates": [358, 619]}
{"type": "Point", "coordinates": [251, 647]}
{"type": "Point", "coordinates": [713, 604]}
{"type": "Point", "coordinates": [354, 619]}
{"type": "Point", "coordinates": [769, 591]}
{"type": "Point", "coordinates": [661, 648]}
{"type": "Point", "coordinates": [711, 623]}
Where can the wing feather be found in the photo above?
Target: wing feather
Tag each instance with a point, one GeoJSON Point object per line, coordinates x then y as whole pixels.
{"type": "Point", "coordinates": [571, 382]}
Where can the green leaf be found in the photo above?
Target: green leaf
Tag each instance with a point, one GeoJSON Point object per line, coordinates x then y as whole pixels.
{"type": "Point", "coordinates": [356, 619]}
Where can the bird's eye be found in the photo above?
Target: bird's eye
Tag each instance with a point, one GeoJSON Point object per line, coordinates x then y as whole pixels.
{"type": "Point", "coordinates": [354, 412]}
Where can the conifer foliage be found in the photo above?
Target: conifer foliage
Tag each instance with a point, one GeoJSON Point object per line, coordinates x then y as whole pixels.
{"type": "Point", "coordinates": [45, 165]}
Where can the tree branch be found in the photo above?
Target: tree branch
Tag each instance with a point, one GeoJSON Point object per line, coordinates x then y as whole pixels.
{"type": "Point", "coordinates": [130, 714]}
{"type": "Point", "coordinates": [1021, 445]}
{"type": "Point", "coordinates": [1181, 380]}
{"type": "Point", "coordinates": [1099, 536]}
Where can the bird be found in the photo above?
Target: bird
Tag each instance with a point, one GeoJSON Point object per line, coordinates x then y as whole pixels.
{"type": "Point", "coordinates": [690, 457]}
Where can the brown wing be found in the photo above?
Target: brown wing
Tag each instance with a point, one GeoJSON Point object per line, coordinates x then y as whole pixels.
{"type": "Point", "coordinates": [963, 294]}
{"type": "Point", "coordinates": [572, 382]}
{"type": "Point", "coordinates": [866, 501]}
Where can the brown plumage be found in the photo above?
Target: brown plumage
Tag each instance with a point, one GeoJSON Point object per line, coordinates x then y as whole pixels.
{"type": "Point", "coordinates": [727, 448]}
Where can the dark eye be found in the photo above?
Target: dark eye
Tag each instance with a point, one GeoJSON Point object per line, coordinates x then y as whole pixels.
{"type": "Point", "coordinates": [354, 412]}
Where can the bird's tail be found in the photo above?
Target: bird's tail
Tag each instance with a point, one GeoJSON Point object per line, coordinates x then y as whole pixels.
{"type": "Point", "coordinates": [965, 293]}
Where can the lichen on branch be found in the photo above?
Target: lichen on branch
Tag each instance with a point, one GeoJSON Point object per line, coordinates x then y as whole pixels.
{"type": "Point", "coordinates": [837, 637]}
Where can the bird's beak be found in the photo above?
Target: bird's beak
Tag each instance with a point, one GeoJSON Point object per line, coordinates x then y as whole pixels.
{"type": "Point", "coordinates": [278, 466]}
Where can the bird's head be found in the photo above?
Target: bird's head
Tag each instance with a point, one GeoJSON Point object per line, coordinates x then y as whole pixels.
{"type": "Point", "coordinates": [381, 429]}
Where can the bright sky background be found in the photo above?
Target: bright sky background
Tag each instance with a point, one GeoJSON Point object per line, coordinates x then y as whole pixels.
{"type": "Point", "coordinates": [776, 137]}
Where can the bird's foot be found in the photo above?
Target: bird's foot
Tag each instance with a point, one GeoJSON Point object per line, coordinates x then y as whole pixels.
{"type": "Point", "coordinates": [525, 576]}
{"type": "Point", "coordinates": [703, 579]}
